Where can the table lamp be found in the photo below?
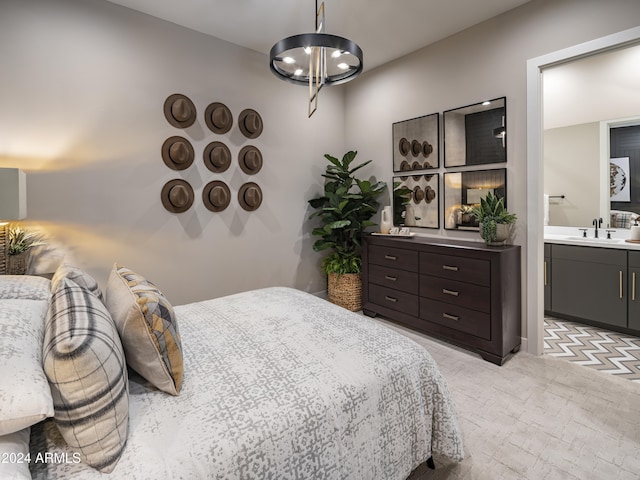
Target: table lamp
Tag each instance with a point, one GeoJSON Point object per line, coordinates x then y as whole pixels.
{"type": "Point", "coordinates": [13, 206]}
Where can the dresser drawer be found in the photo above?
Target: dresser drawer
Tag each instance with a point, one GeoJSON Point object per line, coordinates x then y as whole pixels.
{"type": "Point", "coordinates": [394, 299]}
{"type": "Point", "coordinates": [394, 257]}
{"type": "Point", "coordinates": [468, 295]}
{"type": "Point", "coordinates": [456, 317]}
{"type": "Point", "coordinates": [462, 269]}
{"type": "Point", "coordinates": [394, 278]}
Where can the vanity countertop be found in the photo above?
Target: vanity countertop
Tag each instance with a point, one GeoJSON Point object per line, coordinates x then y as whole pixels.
{"type": "Point", "coordinates": [577, 240]}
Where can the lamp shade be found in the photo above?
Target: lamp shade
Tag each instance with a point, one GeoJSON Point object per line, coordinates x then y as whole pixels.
{"type": "Point", "coordinates": [13, 194]}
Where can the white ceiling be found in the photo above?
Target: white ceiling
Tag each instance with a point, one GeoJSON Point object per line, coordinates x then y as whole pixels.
{"type": "Point", "coordinates": [384, 29]}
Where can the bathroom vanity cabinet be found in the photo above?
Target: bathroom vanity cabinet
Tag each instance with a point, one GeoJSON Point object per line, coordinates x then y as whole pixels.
{"type": "Point", "coordinates": [463, 292]}
{"type": "Point", "coordinates": [547, 277]}
{"type": "Point", "coordinates": [595, 285]}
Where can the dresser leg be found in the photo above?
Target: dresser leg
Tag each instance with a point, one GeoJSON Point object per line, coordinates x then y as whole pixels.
{"type": "Point", "coordinates": [489, 357]}
{"type": "Point", "coordinates": [369, 313]}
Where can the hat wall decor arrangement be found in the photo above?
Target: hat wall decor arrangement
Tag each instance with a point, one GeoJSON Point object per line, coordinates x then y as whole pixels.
{"type": "Point", "coordinates": [250, 196]}
{"type": "Point", "coordinates": [250, 123]}
{"type": "Point", "coordinates": [177, 153]}
{"type": "Point", "coordinates": [179, 111]}
{"type": "Point", "coordinates": [218, 118]}
{"type": "Point", "coordinates": [414, 141]}
{"type": "Point", "coordinates": [216, 196]}
{"type": "Point", "coordinates": [250, 160]}
{"type": "Point", "coordinates": [177, 196]}
{"type": "Point", "coordinates": [217, 157]}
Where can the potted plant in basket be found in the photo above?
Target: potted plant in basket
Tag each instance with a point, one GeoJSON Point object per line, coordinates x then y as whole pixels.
{"type": "Point", "coordinates": [345, 210]}
{"type": "Point", "coordinates": [495, 221]}
{"type": "Point", "coordinates": [20, 242]}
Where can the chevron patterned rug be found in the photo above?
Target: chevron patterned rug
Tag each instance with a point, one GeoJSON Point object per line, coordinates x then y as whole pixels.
{"type": "Point", "coordinates": [608, 352]}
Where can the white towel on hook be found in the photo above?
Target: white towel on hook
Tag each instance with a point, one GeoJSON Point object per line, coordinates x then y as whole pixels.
{"type": "Point", "coordinates": [546, 209]}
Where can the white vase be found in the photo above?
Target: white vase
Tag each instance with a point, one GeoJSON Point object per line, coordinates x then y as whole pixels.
{"type": "Point", "coordinates": [409, 216]}
{"type": "Point", "coordinates": [386, 220]}
{"type": "Point", "coordinates": [503, 231]}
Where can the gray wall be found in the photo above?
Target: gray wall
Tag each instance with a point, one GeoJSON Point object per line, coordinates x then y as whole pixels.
{"type": "Point", "coordinates": [482, 62]}
{"type": "Point", "coordinates": [82, 90]}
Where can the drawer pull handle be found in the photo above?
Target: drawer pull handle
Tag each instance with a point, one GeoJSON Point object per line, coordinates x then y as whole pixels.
{"type": "Point", "coordinates": [450, 292]}
{"type": "Point", "coordinates": [455, 318]}
{"type": "Point", "coordinates": [450, 267]}
{"type": "Point", "coordinates": [391, 299]}
{"type": "Point", "coordinates": [390, 278]}
{"type": "Point", "coordinates": [633, 286]}
{"type": "Point", "coordinates": [390, 257]}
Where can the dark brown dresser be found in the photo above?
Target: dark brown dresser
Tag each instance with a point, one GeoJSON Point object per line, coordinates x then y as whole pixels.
{"type": "Point", "coordinates": [464, 292]}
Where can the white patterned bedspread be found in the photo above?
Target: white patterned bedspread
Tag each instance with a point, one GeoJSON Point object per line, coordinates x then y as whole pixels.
{"type": "Point", "coordinates": [280, 385]}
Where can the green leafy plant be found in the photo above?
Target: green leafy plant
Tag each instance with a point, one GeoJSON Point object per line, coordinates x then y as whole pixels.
{"type": "Point", "coordinates": [21, 240]}
{"type": "Point", "coordinates": [491, 212]}
{"type": "Point", "coordinates": [401, 197]}
{"type": "Point", "coordinates": [345, 210]}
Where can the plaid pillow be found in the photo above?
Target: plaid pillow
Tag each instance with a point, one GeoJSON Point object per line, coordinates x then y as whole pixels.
{"type": "Point", "coordinates": [621, 220]}
{"type": "Point", "coordinates": [79, 276]}
{"type": "Point", "coordinates": [85, 365]}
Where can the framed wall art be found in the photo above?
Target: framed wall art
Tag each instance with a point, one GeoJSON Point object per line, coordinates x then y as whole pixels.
{"type": "Point", "coordinates": [416, 143]}
{"type": "Point", "coordinates": [463, 191]}
{"type": "Point", "coordinates": [416, 201]}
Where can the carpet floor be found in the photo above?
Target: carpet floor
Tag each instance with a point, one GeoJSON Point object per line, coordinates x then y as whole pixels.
{"type": "Point", "coordinates": [536, 417]}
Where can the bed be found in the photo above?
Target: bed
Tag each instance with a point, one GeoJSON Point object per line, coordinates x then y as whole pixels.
{"type": "Point", "coordinates": [275, 383]}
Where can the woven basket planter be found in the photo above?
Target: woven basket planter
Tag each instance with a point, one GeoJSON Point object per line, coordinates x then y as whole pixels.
{"type": "Point", "coordinates": [345, 290]}
{"type": "Point", "coordinates": [17, 264]}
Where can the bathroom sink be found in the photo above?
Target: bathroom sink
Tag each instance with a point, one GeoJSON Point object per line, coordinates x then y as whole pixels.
{"type": "Point", "coordinates": [595, 240]}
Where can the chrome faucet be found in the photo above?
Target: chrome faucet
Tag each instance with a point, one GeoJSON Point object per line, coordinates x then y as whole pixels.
{"type": "Point", "coordinates": [597, 222]}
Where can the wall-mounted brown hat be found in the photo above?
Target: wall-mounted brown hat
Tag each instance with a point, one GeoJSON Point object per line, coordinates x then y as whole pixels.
{"type": "Point", "coordinates": [416, 165]}
{"type": "Point", "coordinates": [418, 194]}
{"type": "Point", "coordinates": [250, 123]}
{"type": "Point", "coordinates": [405, 165]}
{"type": "Point", "coordinates": [427, 149]}
{"type": "Point", "coordinates": [179, 111]}
{"type": "Point", "coordinates": [217, 157]}
{"type": "Point", "coordinates": [177, 196]}
{"type": "Point", "coordinates": [250, 196]}
{"type": "Point", "coordinates": [218, 118]}
{"type": "Point", "coordinates": [404, 146]}
{"type": "Point", "coordinates": [250, 160]}
{"type": "Point", "coordinates": [216, 196]}
{"type": "Point", "coordinates": [416, 148]}
{"type": "Point", "coordinates": [177, 153]}
{"type": "Point", "coordinates": [429, 194]}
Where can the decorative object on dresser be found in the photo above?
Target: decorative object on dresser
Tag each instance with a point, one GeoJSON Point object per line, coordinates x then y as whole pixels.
{"type": "Point", "coordinates": [494, 219]}
{"type": "Point", "coordinates": [345, 209]}
{"type": "Point", "coordinates": [416, 143]}
{"type": "Point", "coordinates": [463, 292]}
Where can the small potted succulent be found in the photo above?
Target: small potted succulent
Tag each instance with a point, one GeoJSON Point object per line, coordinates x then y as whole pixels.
{"type": "Point", "coordinates": [19, 245]}
{"type": "Point", "coordinates": [495, 221]}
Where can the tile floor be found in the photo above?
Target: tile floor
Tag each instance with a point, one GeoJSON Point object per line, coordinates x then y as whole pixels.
{"type": "Point", "coordinates": [593, 347]}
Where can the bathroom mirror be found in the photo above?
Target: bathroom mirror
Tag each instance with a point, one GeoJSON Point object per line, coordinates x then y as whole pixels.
{"type": "Point", "coordinates": [582, 120]}
{"type": "Point", "coordinates": [476, 134]}
{"type": "Point", "coordinates": [463, 191]}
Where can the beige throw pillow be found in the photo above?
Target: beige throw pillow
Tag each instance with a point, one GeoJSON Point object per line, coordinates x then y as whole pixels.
{"type": "Point", "coordinates": [148, 328]}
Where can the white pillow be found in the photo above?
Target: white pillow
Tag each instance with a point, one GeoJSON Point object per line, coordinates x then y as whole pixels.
{"type": "Point", "coordinates": [14, 451]}
{"type": "Point", "coordinates": [24, 287]}
{"type": "Point", "coordinates": [25, 396]}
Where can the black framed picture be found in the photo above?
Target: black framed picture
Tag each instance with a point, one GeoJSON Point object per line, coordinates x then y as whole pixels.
{"type": "Point", "coordinates": [416, 144]}
{"type": "Point", "coordinates": [416, 200]}
{"type": "Point", "coordinates": [463, 191]}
